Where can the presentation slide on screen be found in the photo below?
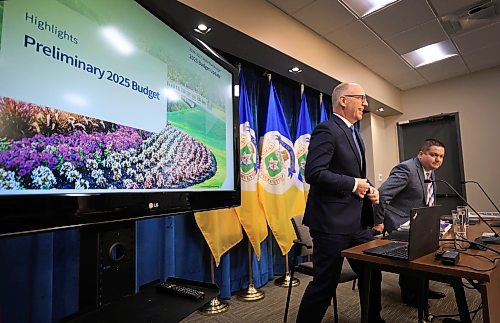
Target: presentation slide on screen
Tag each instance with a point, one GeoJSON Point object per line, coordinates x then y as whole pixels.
{"type": "Point", "coordinates": [102, 96]}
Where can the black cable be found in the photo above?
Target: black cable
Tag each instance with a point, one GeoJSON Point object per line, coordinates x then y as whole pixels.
{"type": "Point", "coordinates": [473, 255]}
{"type": "Point", "coordinates": [476, 255]}
{"type": "Point", "coordinates": [480, 307]}
{"type": "Point", "coordinates": [475, 313]}
{"type": "Point", "coordinates": [448, 243]}
{"type": "Point", "coordinates": [480, 270]}
{"type": "Point", "coordinates": [480, 245]}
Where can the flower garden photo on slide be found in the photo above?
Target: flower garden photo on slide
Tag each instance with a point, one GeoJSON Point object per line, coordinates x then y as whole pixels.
{"type": "Point", "coordinates": [42, 148]}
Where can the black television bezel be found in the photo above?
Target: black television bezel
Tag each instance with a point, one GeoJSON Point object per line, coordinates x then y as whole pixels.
{"type": "Point", "coordinates": [35, 213]}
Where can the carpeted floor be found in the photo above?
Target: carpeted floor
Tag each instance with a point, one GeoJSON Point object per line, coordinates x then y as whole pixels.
{"type": "Point", "coordinates": [271, 308]}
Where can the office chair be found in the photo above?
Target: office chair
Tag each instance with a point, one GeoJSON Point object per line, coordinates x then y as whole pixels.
{"type": "Point", "coordinates": [303, 247]}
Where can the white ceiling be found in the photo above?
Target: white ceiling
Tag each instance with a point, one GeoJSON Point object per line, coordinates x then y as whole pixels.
{"type": "Point", "coordinates": [378, 40]}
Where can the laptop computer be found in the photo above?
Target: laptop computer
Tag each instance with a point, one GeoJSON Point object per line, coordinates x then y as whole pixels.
{"type": "Point", "coordinates": [423, 236]}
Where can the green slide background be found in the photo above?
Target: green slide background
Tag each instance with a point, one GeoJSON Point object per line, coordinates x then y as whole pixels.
{"type": "Point", "coordinates": [194, 121]}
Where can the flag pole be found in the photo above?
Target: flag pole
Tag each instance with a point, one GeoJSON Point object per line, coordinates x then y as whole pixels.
{"type": "Point", "coordinates": [215, 306]}
{"type": "Point", "coordinates": [284, 281]}
{"type": "Point", "coordinates": [251, 293]}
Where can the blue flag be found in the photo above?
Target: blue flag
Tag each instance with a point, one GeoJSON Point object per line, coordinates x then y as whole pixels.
{"type": "Point", "coordinates": [301, 145]}
{"type": "Point", "coordinates": [250, 213]}
{"type": "Point", "coordinates": [280, 191]}
{"type": "Point", "coordinates": [324, 116]}
{"type": "Point", "coordinates": [244, 104]}
{"type": "Point", "coordinates": [304, 125]}
{"type": "Point", "coordinates": [275, 118]}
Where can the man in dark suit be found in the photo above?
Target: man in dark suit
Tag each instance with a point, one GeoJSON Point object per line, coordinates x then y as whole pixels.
{"type": "Point", "coordinates": [404, 190]}
{"type": "Point", "coordinates": [339, 206]}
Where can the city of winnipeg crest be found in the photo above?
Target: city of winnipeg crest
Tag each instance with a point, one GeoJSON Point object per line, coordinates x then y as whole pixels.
{"type": "Point", "coordinates": [301, 148]}
{"type": "Point", "coordinates": [278, 164]}
{"type": "Point", "coordinates": [248, 153]}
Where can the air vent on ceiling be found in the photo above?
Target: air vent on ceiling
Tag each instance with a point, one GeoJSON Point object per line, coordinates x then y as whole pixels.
{"type": "Point", "coordinates": [480, 14]}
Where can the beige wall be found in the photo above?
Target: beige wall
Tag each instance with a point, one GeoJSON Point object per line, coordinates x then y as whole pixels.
{"type": "Point", "coordinates": [261, 20]}
{"type": "Point", "coordinates": [378, 152]}
{"type": "Point", "coordinates": [476, 97]}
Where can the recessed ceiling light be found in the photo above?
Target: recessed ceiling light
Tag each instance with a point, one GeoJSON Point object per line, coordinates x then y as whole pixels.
{"type": "Point", "coordinates": [366, 7]}
{"type": "Point", "coordinates": [295, 69]}
{"type": "Point", "coordinates": [430, 53]}
{"type": "Point", "coordinates": [202, 29]}
{"type": "Point", "coordinates": [381, 109]}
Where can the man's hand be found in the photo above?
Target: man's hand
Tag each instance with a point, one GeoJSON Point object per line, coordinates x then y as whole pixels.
{"type": "Point", "coordinates": [362, 188]}
{"type": "Point", "coordinates": [373, 195]}
{"type": "Point", "coordinates": [378, 228]}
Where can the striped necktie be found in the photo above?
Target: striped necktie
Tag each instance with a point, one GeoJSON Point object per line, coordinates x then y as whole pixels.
{"type": "Point", "coordinates": [430, 190]}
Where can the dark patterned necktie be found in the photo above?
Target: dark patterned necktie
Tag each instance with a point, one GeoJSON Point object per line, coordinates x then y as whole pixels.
{"type": "Point", "coordinates": [430, 190]}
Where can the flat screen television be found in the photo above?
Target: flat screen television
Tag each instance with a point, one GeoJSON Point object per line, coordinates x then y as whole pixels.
{"type": "Point", "coordinates": [109, 114]}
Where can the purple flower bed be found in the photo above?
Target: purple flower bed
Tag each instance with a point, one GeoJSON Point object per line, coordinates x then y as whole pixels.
{"type": "Point", "coordinates": [26, 154]}
{"type": "Point", "coordinates": [125, 158]}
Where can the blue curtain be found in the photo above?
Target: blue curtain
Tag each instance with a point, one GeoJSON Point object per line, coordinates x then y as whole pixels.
{"type": "Point", "coordinates": [39, 273]}
{"type": "Point", "coordinates": [39, 276]}
{"type": "Point", "coordinates": [174, 246]}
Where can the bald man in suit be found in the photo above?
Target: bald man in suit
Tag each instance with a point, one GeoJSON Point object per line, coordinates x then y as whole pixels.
{"type": "Point", "coordinates": [339, 206]}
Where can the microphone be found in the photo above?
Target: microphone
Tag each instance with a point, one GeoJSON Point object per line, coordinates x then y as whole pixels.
{"type": "Point", "coordinates": [480, 240]}
{"type": "Point", "coordinates": [489, 198]}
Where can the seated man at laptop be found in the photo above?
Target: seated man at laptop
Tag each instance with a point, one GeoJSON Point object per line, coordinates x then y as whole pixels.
{"type": "Point", "coordinates": [404, 190]}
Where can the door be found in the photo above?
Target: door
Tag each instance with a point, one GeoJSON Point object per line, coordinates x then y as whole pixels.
{"type": "Point", "coordinates": [446, 128]}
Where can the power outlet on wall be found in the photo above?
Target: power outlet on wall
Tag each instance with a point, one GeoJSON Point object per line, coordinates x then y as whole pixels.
{"type": "Point", "coordinates": [380, 177]}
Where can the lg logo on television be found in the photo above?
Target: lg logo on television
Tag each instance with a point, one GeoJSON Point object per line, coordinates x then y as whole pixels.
{"type": "Point", "coordinates": [153, 205]}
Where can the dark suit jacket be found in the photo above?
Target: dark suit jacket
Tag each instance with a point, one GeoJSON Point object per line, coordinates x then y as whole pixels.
{"type": "Point", "coordinates": [402, 191]}
{"type": "Point", "coordinates": [332, 164]}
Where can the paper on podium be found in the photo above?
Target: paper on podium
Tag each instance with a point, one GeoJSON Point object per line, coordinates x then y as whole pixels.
{"type": "Point", "coordinates": [444, 226]}
{"type": "Point", "coordinates": [405, 226]}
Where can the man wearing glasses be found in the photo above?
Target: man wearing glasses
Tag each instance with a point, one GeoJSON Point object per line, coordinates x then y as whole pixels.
{"type": "Point", "coordinates": [404, 190]}
{"type": "Point", "coordinates": [339, 206]}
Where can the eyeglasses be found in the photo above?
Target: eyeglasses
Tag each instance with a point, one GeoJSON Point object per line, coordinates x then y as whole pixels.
{"type": "Point", "coordinates": [362, 97]}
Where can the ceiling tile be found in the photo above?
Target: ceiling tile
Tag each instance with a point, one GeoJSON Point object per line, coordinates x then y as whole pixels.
{"type": "Point", "coordinates": [483, 58]}
{"type": "Point", "coordinates": [290, 6]}
{"type": "Point", "coordinates": [444, 69]}
{"type": "Point", "coordinates": [378, 53]}
{"type": "Point", "coordinates": [392, 69]}
{"type": "Point", "coordinates": [410, 84]}
{"type": "Point", "coordinates": [478, 38]}
{"type": "Point", "coordinates": [353, 36]}
{"type": "Point", "coordinates": [410, 77]}
{"type": "Point", "coordinates": [324, 16]}
{"type": "Point", "coordinates": [428, 33]}
{"type": "Point", "coordinates": [445, 7]}
{"type": "Point", "coordinates": [380, 38]}
{"type": "Point", "coordinates": [398, 73]}
{"type": "Point", "coordinates": [398, 17]}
